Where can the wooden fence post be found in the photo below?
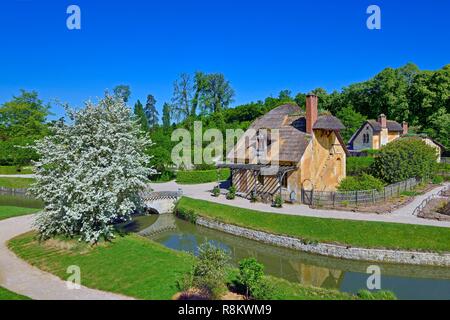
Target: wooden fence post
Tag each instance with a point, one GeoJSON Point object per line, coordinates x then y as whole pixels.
{"type": "Point", "coordinates": [356, 194]}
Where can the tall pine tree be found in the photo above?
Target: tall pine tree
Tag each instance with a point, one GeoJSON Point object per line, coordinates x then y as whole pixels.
{"type": "Point", "coordinates": [140, 115]}
{"type": "Point", "coordinates": [166, 115]}
{"type": "Point", "coordinates": [151, 112]}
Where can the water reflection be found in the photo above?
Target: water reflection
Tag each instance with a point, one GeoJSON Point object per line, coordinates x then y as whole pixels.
{"type": "Point", "coordinates": [408, 282]}
{"type": "Point", "coordinates": [16, 200]}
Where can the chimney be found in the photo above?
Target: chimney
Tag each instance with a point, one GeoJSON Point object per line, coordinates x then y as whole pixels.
{"type": "Point", "coordinates": [405, 127]}
{"type": "Point", "coordinates": [382, 121]}
{"type": "Point", "coordinates": [311, 112]}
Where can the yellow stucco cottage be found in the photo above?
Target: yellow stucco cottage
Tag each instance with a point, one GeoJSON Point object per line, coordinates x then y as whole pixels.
{"type": "Point", "coordinates": [287, 151]}
{"type": "Point", "coordinates": [374, 134]}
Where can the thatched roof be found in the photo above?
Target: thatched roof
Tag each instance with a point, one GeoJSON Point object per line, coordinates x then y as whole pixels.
{"type": "Point", "coordinates": [328, 123]}
{"type": "Point", "coordinates": [391, 125]}
{"type": "Point", "coordinates": [291, 124]}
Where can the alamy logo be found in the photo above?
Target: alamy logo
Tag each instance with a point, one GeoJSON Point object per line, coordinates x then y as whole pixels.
{"type": "Point", "coordinates": [374, 20]}
{"type": "Point", "coordinates": [73, 22]}
{"type": "Point", "coordinates": [374, 280]}
{"type": "Point", "coordinates": [74, 280]}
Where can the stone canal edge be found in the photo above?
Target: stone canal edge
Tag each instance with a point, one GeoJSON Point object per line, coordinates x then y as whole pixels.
{"type": "Point", "coordinates": [331, 250]}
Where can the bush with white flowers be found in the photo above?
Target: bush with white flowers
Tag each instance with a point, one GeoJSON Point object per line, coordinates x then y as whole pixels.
{"type": "Point", "coordinates": [90, 172]}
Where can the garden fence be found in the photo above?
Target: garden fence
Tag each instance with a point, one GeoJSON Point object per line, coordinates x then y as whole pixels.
{"type": "Point", "coordinates": [357, 198]}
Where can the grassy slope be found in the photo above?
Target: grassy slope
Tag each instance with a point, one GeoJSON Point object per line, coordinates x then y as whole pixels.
{"type": "Point", "coordinates": [136, 267]}
{"type": "Point", "coordinates": [130, 265]}
{"type": "Point", "coordinates": [8, 295]}
{"type": "Point", "coordinates": [16, 183]}
{"type": "Point", "coordinates": [9, 212]}
{"type": "Point", "coordinates": [354, 233]}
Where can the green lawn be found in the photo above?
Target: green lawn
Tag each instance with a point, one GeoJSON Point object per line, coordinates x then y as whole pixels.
{"type": "Point", "coordinates": [131, 265]}
{"type": "Point", "coordinates": [8, 295]}
{"type": "Point", "coordinates": [16, 183]}
{"type": "Point", "coordinates": [15, 170]}
{"type": "Point", "coordinates": [136, 267]}
{"type": "Point", "coordinates": [346, 232]}
{"type": "Point", "coordinates": [9, 212]}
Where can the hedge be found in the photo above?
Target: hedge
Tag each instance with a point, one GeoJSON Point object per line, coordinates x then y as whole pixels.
{"type": "Point", "coordinates": [403, 159]}
{"type": "Point", "coordinates": [361, 183]}
{"type": "Point", "coordinates": [359, 165]}
{"type": "Point", "coordinates": [202, 176]}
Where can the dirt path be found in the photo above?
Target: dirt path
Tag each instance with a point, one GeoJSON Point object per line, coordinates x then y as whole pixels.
{"type": "Point", "coordinates": [401, 215]}
{"type": "Point", "coordinates": [22, 278]}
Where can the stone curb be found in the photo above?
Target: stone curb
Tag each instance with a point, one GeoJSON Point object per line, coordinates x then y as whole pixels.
{"type": "Point", "coordinates": [336, 251]}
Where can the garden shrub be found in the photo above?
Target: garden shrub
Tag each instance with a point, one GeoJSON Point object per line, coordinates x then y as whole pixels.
{"type": "Point", "coordinates": [202, 176]}
{"type": "Point", "coordinates": [437, 180]}
{"type": "Point", "coordinates": [251, 272]}
{"type": "Point", "coordinates": [216, 191]}
{"type": "Point", "coordinates": [263, 290]}
{"type": "Point", "coordinates": [358, 165]}
{"type": "Point", "coordinates": [278, 201]}
{"type": "Point", "coordinates": [211, 270]}
{"type": "Point", "coordinates": [403, 159]}
{"type": "Point", "coordinates": [231, 195]}
{"type": "Point", "coordinates": [186, 214]}
{"type": "Point", "coordinates": [361, 183]}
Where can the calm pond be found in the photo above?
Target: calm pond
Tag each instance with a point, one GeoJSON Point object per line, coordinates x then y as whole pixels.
{"type": "Point", "coordinates": [408, 282]}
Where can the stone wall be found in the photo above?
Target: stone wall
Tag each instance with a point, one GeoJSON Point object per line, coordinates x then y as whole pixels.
{"type": "Point", "coordinates": [374, 255]}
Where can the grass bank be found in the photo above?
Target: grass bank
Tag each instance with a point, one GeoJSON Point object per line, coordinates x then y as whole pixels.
{"type": "Point", "coordinates": [130, 265]}
{"type": "Point", "coordinates": [8, 295]}
{"type": "Point", "coordinates": [345, 232]}
{"type": "Point", "coordinates": [136, 267]}
{"type": "Point", "coordinates": [16, 183]}
{"type": "Point", "coordinates": [202, 176]}
{"type": "Point", "coordinates": [15, 170]}
{"type": "Point", "coordinates": [10, 212]}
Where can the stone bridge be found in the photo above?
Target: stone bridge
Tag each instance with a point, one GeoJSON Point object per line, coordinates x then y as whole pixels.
{"type": "Point", "coordinates": [160, 202]}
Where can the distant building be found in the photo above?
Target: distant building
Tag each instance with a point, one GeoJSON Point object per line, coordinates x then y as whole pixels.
{"type": "Point", "coordinates": [374, 134]}
{"type": "Point", "coordinates": [286, 151]}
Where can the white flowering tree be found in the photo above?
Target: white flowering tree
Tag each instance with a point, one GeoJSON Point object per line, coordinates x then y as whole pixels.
{"type": "Point", "coordinates": [90, 172]}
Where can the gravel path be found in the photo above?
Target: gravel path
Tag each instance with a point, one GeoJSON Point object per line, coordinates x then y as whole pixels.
{"type": "Point", "coordinates": [17, 175]}
{"type": "Point", "coordinates": [22, 278]}
{"type": "Point", "coordinates": [401, 215]}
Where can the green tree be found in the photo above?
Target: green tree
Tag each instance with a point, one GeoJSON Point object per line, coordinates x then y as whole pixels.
{"type": "Point", "coordinates": [151, 112]}
{"type": "Point", "coordinates": [218, 93]}
{"type": "Point", "coordinates": [166, 116]}
{"type": "Point", "coordinates": [439, 127]}
{"type": "Point", "coordinates": [352, 121]}
{"type": "Point", "coordinates": [22, 122]}
{"type": "Point", "coordinates": [403, 159]}
{"type": "Point", "coordinates": [251, 273]}
{"type": "Point", "coordinates": [123, 92]}
{"type": "Point", "coordinates": [182, 97]}
{"type": "Point", "coordinates": [140, 115]}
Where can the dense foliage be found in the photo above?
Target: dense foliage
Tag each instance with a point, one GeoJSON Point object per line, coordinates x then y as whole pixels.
{"type": "Point", "coordinates": [361, 183]}
{"type": "Point", "coordinates": [210, 270]}
{"type": "Point", "coordinates": [22, 121]}
{"type": "Point", "coordinates": [90, 172]}
{"type": "Point", "coordinates": [358, 165]}
{"type": "Point", "coordinates": [403, 159]}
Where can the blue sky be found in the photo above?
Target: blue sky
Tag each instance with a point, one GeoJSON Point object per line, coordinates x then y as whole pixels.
{"type": "Point", "coordinates": [261, 46]}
